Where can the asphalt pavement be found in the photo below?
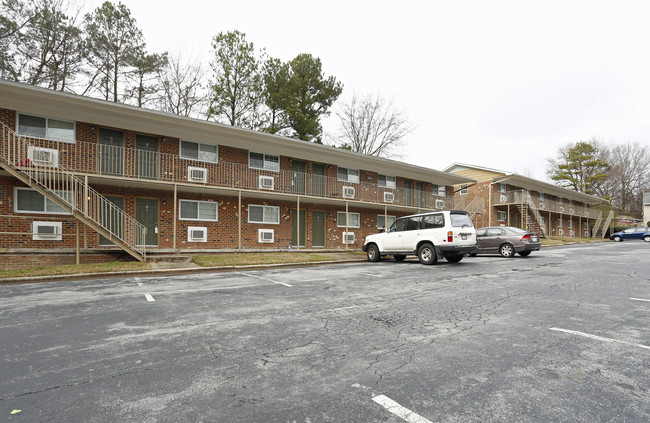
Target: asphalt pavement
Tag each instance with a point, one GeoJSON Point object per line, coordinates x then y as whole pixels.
{"type": "Point", "coordinates": [561, 335]}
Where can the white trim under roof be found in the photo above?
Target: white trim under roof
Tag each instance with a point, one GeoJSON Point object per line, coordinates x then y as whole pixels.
{"type": "Point", "coordinates": [58, 105]}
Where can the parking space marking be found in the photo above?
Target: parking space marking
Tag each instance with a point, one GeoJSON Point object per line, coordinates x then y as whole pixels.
{"type": "Point", "coordinates": [401, 412]}
{"type": "Point", "coordinates": [149, 297]}
{"type": "Point", "coordinates": [371, 274]}
{"type": "Point", "coordinates": [639, 299]}
{"type": "Point", "coordinates": [600, 338]}
{"type": "Point", "coordinates": [262, 277]}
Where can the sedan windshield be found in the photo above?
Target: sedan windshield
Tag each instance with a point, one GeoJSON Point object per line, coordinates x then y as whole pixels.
{"type": "Point", "coordinates": [461, 220]}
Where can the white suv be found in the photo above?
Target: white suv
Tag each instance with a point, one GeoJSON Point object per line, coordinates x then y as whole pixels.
{"type": "Point", "coordinates": [430, 236]}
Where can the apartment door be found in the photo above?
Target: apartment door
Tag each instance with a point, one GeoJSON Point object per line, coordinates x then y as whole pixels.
{"type": "Point", "coordinates": [111, 152]}
{"type": "Point", "coordinates": [146, 156]}
{"type": "Point", "coordinates": [146, 212]}
{"type": "Point", "coordinates": [318, 228]}
{"type": "Point", "coordinates": [419, 194]}
{"type": "Point", "coordinates": [295, 232]}
{"type": "Point", "coordinates": [408, 192]}
{"type": "Point", "coordinates": [110, 217]}
{"type": "Point", "coordinates": [298, 177]}
{"type": "Point", "coordinates": [318, 179]}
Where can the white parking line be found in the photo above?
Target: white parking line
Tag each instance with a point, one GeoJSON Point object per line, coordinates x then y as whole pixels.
{"type": "Point", "coordinates": [262, 277]}
{"type": "Point", "coordinates": [398, 410]}
{"type": "Point", "coordinates": [371, 274]}
{"type": "Point", "coordinates": [600, 338]}
{"type": "Point", "coordinates": [149, 297]}
{"type": "Point", "coordinates": [639, 299]}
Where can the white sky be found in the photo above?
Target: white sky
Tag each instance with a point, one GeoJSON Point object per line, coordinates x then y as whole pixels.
{"type": "Point", "coordinates": [500, 84]}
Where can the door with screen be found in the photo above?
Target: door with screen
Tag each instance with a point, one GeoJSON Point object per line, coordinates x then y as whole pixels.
{"type": "Point", "coordinates": [146, 156]}
{"type": "Point", "coordinates": [111, 152]}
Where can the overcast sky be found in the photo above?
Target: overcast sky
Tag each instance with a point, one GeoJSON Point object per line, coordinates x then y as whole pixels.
{"type": "Point", "coordinates": [500, 84]}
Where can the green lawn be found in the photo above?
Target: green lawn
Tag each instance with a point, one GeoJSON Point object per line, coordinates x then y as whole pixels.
{"type": "Point", "coordinates": [245, 259]}
{"type": "Point", "coordinates": [73, 269]}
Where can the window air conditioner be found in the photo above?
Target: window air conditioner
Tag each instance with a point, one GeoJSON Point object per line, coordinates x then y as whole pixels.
{"type": "Point", "coordinates": [43, 156]}
{"type": "Point", "coordinates": [560, 232]}
{"type": "Point", "coordinates": [541, 206]}
{"type": "Point", "coordinates": [265, 182]}
{"type": "Point", "coordinates": [348, 237]}
{"type": "Point", "coordinates": [197, 174]}
{"type": "Point", "coordinates": [561, 209]}
{"type": "Point", "coordinates": [265, 235]}
{"type": "Point", "coordinates": [197, 234]}
{"type": "Point", "coordinates": [571, 211]}
{"type": "Point", "coordinates": [348, 192]}
{"type": "Point", "coordinates": [47, 231]}
{"type": "Point", "coordinates": [503, 199]}
{"type": "Point", "coordinates": [440, 204]}
{"type": "Point", "coordinates": [389, 197]}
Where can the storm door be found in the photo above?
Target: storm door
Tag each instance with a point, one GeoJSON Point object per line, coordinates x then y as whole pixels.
{"type": "Point", "coordinates": [297, 177]}
{"type": "Point", "coordinates": [146, 156]}
{"type": "Point", "coordinates": [111, 152]}
{"type": "Point", "coordinates": [318, 179]}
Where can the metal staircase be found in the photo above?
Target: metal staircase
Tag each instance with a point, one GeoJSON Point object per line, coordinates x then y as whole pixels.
{"type": "Point", "coordinates": [38, 168]}
{"type": "Point", "coordinates": [597, 225]}
{"type": "Point", "coordinates": [610, 216]}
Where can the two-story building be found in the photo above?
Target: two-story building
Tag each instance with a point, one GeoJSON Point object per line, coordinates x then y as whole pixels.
{"type": "Point", "coordinates": [81, 175]}
{"type": "Point", "coordinates": [505, 198]}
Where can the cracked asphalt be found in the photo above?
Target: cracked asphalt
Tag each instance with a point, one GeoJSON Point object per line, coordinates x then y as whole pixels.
{"type": "Point", "coordinates": [466, 342]}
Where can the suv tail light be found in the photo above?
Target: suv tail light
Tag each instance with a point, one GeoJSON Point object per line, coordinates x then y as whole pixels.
{"type": "Point", "coordinates": [450, 236]}
{"type": "Point", "coordinates": [525, 237]}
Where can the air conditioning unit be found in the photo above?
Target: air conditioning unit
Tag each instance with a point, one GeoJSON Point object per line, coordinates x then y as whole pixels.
{"type": "Point", "coordinates": [503, 199]}
{"type": "Point", "coordinates": [265, 182]}
{"type": "Point", "coordinates": [541, 206]}
{"type": "Point", "coordinates": [47, 231]}
{"type": "Point", "coordinates": [389, 197]}
{"type": "Point", "coordinates": [560, 232]}
{"type": "Point", "coordinates": [571, 211]}
{"type": "Point", "coordinates": [197, 174]}
{"type": "Point", "coordinates": [586, 234]}
{"type": "Point", "coordinates": [197, 234]}
{"type": "Point", "coordinates": [348, 192]}
{"type": "Point", "coordinates": [572, 233]}
{"type": "Point", "coordinates": [561, 209]}
{"type": "Point", "coordinates": [265, 235]}
{"type": "Point", "coordinates": [39, 156]}
{"type": "Point", "coordinates": [440, 204]}
{"type": "Point", "coordinates": [348, 237]}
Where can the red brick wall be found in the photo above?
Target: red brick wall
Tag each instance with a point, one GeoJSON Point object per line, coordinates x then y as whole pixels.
{"type": "Point", "coordinates": [23, 260]}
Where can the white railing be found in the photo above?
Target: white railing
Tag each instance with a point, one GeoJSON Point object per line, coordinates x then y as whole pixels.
{"type": "Point", "coordinates": [48, 171]}
{"type": "Point", "coordinates": [516, 197]}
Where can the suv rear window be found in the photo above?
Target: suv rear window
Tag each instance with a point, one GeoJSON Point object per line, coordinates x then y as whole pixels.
{"type": "Point", "coordinates": [460, 220]}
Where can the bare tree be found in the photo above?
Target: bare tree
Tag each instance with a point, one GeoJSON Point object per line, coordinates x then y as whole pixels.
{"type": "Point", "coordinates": [182, 87]}
{"type": "Point", "coordinates": [630, 176]}
{"type": "Point", "coordinates": [371, 125]}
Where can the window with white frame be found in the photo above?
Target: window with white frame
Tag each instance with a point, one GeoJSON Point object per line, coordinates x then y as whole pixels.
{"type": "Point", "coordinates": [440, 190]}
{"type": "Point", "coordinates": [570, 203]}
{"type": "Point", "coordinates": [501, 187]}
{"type": "Point", "coordinates": [263, 214]}
{"type": "Point", "coordinates": [464, 189]}
{"type": "Point", "coordinates": [354, 220]}
{"type": "Point", "coordinates": [347, 175]}
{"type": "Point", "coordinates": [263, 161]}
{"type": "Point", "coordinates": [47, 128]}
{"type": "Point", "coordinates": [27, 200]}
{"type": "Point", "coordinates": [197, 151]}
{"type": "Point", "coordinates": [381, 221]}
{"type": "Point", "coordinates": [501, 216]}
{"type": "Point", "coordinates": [198, 210]}
{"type": "Point", "coordinates": [387, 181]}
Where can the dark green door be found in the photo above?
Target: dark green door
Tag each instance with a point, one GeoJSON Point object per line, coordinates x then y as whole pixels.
{"type": "Point", "coordinates": [146, 212]}
{"type": "Point", "coordinates": [110, 217]}
{"type": "Point", "coordinates": [318, 179]}
{"type": "Point", "coordinates": [294, 228]}
{"type": "Point", "coordinates": [408, 193]}
{"type": "Point", "coordinates": [318, 229]}
{"type": "Point", "coordinates": [146, 156]}
{"type": "Point", "coordinates": [111, 152]}
{"type": "Point", "coordinates": [297, 177]}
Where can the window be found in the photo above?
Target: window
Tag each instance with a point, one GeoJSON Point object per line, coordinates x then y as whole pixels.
{"type": "Point", "coordinates": [463, 189]}
{"type": "Point", "coordinates": [40, 127]}
{"type": "Point", "coordinates": [27, 200]}
{"type": "Point", "coordinates": [354, 220]}
{"type": "Point", "coordinates": [263, 161]}
{"type": "Point", "coordinates": [570, 203]}
{"type": "Point", "coordinates": [398, 225]}
{"type": "Point", "coordinates": [386, 181]}
{"type": "Point", "coordinates": [198, 210]}
{"type": "Point", "coordinates": [197, 151]}
{"type": "Point", "coordinates": [541, 196]}
{"type": "Point", "coordinates": [432, 221]}
{"type": "Point", "coordinates": [501, 187]}
{"type": "Point", "coordinates": [263, 214]}
{"type": "Point", "coordinates": [440, 190]}
{"type": "Point", "coordinates": [381, 221]}
{"type": "Point", "coordinates": [413, 223]}
{"type": "Point", "coordinates": [501, 216]}
{"type": "Point", "coordinates": [348, 175]}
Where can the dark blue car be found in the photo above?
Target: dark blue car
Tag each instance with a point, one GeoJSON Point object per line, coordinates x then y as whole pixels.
{"type": "Point", "coordinates": [631, 233]}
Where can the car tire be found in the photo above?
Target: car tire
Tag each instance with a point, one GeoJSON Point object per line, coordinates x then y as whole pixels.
{"type": "Point", "coordinates": [373, 253]}
{"type": "Point", "coordinates": [646, 238]}
{"type": "Point", "coordinates": [473, 254]}
{"type": "Point", "coordinates": [454, 259]}
{"type": "Point", "coordinates": [507, 250]}
{"type": "Point", "coordinates": [427, 254]}
{"type": "Point", "coordinates": [399, 257]}
{"type": "Point", "coordinates": [525, 253]}
{"type": "Point", "coordinates": [618, 238]}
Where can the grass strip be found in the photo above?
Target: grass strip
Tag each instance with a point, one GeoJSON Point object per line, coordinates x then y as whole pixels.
{"type": "Point", "coordinates": [73, 269]}
{"type": "Point", "coordinates": [245, 259]}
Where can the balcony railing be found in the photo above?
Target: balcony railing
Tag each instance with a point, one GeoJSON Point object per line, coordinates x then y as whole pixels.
{"type": "Point", "coordinates": [99, 159]}
{"type": "Point", "coordinates": [517, 197]}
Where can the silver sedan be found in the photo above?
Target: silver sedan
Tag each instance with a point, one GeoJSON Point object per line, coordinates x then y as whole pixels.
{"type": "Point", "coordinates": [506, 240]}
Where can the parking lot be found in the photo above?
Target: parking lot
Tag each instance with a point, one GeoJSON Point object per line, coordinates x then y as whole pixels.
{"type": "Point", "coordinates": [561, 335]}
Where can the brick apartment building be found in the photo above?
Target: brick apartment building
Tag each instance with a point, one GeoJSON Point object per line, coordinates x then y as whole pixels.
{"type": "Point", "coordinates": [91, 178]}
{"type": "Point", "coordinates": [504, 198]}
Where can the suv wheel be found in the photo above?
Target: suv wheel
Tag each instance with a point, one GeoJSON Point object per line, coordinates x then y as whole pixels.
{"type": "Point", "coordinates": [427, 254]}
{"type": "Point", "coordinates": [506, 250]}
{"type": "Point", "coordinates": [373, 253]}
